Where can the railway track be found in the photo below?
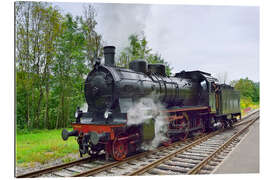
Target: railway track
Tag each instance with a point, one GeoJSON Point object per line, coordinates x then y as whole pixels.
{"type": "Point", "coordinates": [199, 157]}
{"type": "Point", "coordinates": [196, 155]}
{"type": "Point", "coordinates": [95, 165]}
{"type": "Point", "coordinates": [54, 168]}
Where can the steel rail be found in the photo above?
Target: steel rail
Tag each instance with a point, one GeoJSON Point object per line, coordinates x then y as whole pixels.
{"type": "Point", "coordinates": [171, 155]}
{"type": "Point", "coordinates": [247, 116]}
{"type": "Point", "coordinates": [204, 162]}
{"type": "Point", "coordinates": [77, 162]}
{"type": "Point", "coordinates": [110, 165]}
{"type": "Point", "coordinates": [118, 163]}
{"type": "Point", "coordinates": [243, 122]}
{"type": "Point", "coordinates": [53, 168]}
{"type": "Point", "coordinates": [181, 150]}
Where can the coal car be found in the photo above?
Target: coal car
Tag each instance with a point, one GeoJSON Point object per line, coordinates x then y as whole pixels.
{"type": "Point", "coordinates": [193, 101]}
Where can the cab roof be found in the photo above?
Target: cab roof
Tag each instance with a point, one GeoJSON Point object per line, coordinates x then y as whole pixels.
{"type": "Point", "coordinates": [196, 75]}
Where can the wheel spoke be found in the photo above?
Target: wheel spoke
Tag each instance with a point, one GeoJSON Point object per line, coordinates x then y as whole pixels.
{"type": "Point", "coordinates": [119, 149]}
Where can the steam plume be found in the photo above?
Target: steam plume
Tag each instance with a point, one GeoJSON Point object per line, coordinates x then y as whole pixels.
{"type": "Point", "coordinates": [84, 108]}
{"type": "Point", "coordinates": [116, 22]}
{"type": "Point", "coordinates": [144, 110]}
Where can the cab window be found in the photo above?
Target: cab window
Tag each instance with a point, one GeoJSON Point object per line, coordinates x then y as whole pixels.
{"type": "Point", "coordinates": [204, 85]}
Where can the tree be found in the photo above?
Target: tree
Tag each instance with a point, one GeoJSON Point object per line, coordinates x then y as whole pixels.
{"type": "Point", "coordinates": [248, 89]}
{"type": "Point", "coordinates": [53, 20]}
{"type": "Point", "coordinates": [93, 41]}
{"type": "Point", "coordinates": [138, 49]}
{"type": "Point", "coordinates": [23, 81]}
{"type": "Point", "coordinates": [29, 61]}
{"type": "Point", "coordinates": [256, 96]}
{"type": "Point", "coordinates": [53, 55]}
{"type": "Point", "coordinates": [68, 70]}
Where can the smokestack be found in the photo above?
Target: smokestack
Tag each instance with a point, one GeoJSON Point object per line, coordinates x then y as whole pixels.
{"type": "Point", "coordinates": [109, 52]}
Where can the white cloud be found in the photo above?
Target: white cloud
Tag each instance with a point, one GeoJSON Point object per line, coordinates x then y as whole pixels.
{"type": "Point", "coordinates": [209, 38]}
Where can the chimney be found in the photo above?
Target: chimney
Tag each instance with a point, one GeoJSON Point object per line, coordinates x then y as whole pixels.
{"type": "Point", "coordinates": [109, 52]}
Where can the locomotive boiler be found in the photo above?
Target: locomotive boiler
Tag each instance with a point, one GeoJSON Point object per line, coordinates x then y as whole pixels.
{"type": "Point", "coordinates": [192, 101]}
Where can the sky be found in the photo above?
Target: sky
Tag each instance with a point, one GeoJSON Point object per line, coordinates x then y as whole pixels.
{"type": "Point", "coordinates": [215, 39]}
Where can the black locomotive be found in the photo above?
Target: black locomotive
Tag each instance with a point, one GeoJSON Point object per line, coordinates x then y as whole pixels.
{"type": "Point", "coordinates": [193, 101]}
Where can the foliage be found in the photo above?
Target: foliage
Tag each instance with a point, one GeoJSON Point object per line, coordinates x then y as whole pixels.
{"type": "Point", "coordinates": [248, 89]}
{"type": "Point", "coordinates": [246, 103]}
{"type": "Point", "coordinates": [138, 49]}
{"type": "Point", "coordinates": [93, 41]}
{"type": "Point", "coordinates": [54, 53]}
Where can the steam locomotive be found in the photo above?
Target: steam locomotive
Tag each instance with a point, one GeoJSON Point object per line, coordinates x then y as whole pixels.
{"type": "Point", "coordinates": [193, 102]}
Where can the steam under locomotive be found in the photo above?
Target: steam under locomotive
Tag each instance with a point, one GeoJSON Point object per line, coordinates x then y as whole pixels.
{"type": "Point", "coordinates": [193, 102]}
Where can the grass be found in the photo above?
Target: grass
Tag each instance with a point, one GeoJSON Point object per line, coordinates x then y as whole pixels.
{"type": "Point", "coordinates": [42, 146]}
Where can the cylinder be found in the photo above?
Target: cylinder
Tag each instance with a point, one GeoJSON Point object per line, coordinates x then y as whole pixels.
{"type": "Point", "coordinates": [109, 52]}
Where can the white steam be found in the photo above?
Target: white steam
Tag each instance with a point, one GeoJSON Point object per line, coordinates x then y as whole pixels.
{"type": "Point", "coordinates": [84, 108]}
{"type": "Point", "coordinates": [144, 110]}
{"type": "Point", "coordinates": [116, 22]}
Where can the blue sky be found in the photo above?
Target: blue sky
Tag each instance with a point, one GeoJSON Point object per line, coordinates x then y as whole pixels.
{"type": "Point", "coordinates": [215, 39]}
